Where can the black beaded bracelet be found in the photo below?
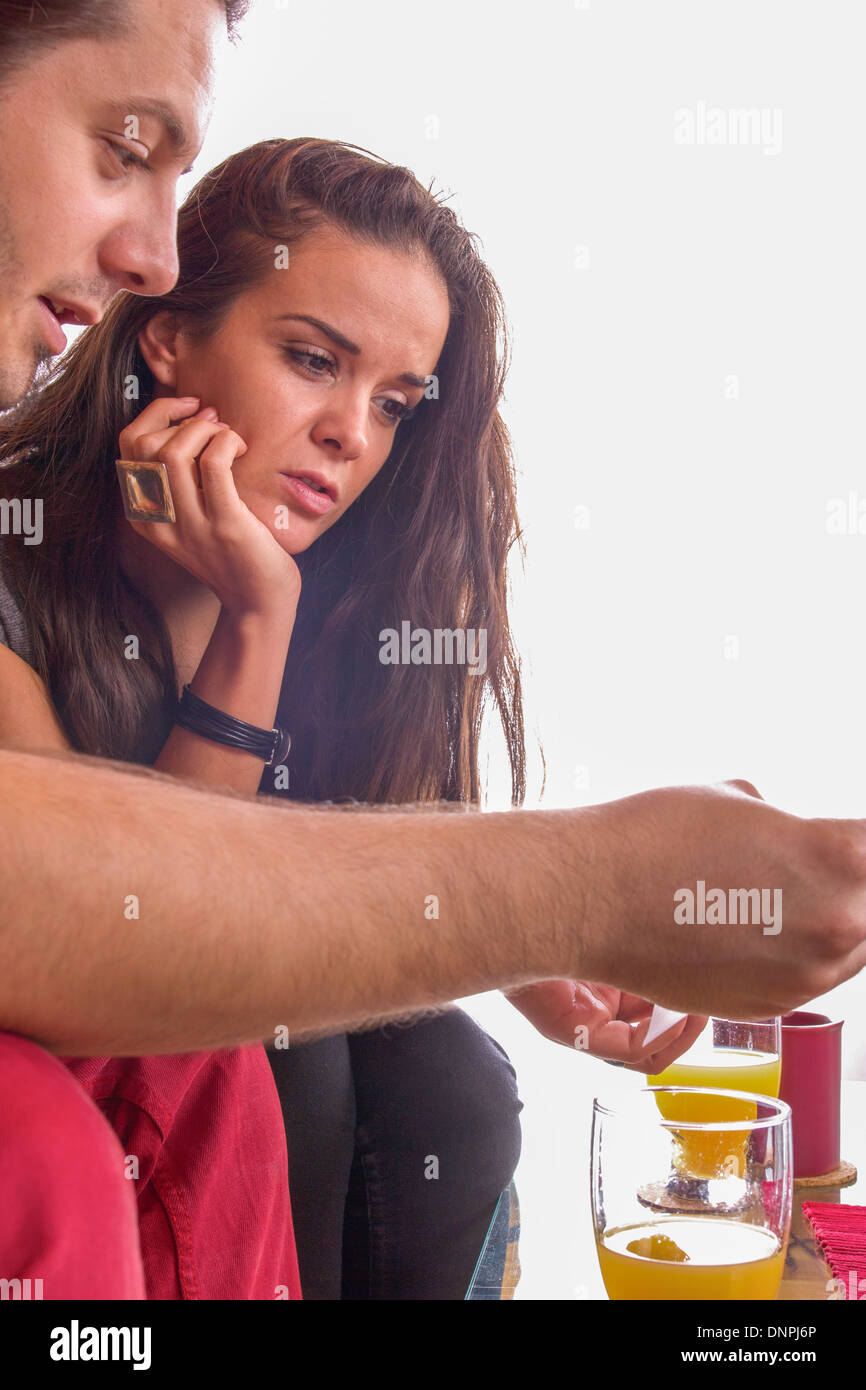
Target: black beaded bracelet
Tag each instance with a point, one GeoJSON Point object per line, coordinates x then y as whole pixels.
{"type": "Point", "coordinates": [195, 714]}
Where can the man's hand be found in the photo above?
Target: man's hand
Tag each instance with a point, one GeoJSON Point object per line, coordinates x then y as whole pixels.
{"type": "Point", "coordinates": [603, 1022]}
{"type": "Point", "coordinates": [792, 921]}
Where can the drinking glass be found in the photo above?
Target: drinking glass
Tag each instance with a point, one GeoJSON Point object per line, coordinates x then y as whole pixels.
{"type": "Point", "coordinates": [726, 1242]}
{"type": "Point", "coordinates": [726, 1056]}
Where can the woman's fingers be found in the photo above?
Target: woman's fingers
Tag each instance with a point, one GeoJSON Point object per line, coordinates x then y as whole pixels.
{"type": "Point", "coordinates": [660, 1058]}
{"type": "Point", "coordinates": [178, 451]}
{"type": "Point", "coordinates": [180, 454]}
{"type": "Point", "coordinates": [221, 498]}
{"type": "Point", "coordinates": [152, 444]}
{"type": "Point", "coordinates": [162, 412]}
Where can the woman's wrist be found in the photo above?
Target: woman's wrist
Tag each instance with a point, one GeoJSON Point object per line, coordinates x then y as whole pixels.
{"type": "Point", "coordinates": [199, 717]}
{"type": "Point", "coordinates": [242, 669]}
{"type": "Point", "coordinates": [277, 618]}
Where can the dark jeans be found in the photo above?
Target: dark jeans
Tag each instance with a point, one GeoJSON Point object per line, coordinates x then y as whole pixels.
{"type": "Point", "coordinates": [400, 1143]}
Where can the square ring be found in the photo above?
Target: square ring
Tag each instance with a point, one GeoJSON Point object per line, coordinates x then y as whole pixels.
{"type": "Point", "coordinates": [145, 491]}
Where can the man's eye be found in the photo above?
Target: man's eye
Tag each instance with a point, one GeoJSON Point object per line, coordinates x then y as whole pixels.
{"type": "Point", "coordinates": [126, 157]}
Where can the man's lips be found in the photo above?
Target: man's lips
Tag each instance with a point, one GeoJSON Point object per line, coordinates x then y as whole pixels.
{"type": "Point", "coordinates": [57, 312]}
{"type": "Point", "coordinates": [52, 332]}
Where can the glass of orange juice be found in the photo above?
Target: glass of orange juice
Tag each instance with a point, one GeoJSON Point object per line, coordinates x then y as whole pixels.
{"type": "Point", "coordinates": [729, 1243]}
{"type": "Point", "coordinates": [726, 1056]}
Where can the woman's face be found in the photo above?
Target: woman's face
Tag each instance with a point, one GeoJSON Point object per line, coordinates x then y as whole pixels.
{"type": "Point", "coordinates": [319, 399]}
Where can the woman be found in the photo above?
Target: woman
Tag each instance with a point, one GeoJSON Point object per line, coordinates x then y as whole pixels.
{"type": "Point", "coordinates": [321, 389]}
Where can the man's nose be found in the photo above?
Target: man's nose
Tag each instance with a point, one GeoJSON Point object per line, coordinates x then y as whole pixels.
{"type": "Point", "coordinates": [141, 254]}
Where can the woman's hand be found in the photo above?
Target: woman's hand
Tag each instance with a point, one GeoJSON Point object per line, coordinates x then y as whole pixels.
{"type": "Point", "coordinates": [603, 1022]}
{"type": "Point", "coordinates": [215, 537]}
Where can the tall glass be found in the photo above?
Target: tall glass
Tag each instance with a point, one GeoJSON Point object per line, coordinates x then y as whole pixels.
{"type": "Point", "coordinates": [730, 1241]}
{"type": "Point", "coordinates": [726, 1056]}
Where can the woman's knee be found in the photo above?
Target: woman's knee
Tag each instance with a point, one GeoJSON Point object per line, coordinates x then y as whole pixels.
{"type": "Point", "coordinates": [441, 1081]}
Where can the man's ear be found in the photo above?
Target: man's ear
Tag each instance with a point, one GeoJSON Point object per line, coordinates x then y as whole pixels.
{"type": "Point", "coordinates": [158, 344]}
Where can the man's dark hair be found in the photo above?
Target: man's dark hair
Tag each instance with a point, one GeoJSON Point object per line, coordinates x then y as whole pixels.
{"type": "Point", "coordinates": [28, 26]}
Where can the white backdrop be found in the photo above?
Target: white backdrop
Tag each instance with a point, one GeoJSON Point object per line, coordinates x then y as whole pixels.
{"type": "Point", "coordinates": [686, 290]}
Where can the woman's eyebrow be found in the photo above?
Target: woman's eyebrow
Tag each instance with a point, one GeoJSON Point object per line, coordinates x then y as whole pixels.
{"type": "Point", "coordinates": [336, 337]}
{"type": "Point", "coordinates": [409, 378]}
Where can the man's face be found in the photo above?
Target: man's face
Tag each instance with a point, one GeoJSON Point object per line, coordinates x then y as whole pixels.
{"type": "Point", "coordinates": [79, 218]}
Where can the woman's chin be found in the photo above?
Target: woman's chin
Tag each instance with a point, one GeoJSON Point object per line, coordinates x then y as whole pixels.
{"type": "Point", "coordinates": [294, 542]}
{"type": "Point", "coordinates": [294, 534]}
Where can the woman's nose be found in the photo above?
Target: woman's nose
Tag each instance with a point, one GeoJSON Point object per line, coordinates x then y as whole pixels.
{"type": "Point", "coordinates": [344, 428]}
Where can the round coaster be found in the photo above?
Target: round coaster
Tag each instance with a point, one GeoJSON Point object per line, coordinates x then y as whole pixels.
{"type": "Point", "coordinates": [664, 1196]}
{"type": "Point", "coordinates": [843, 1176]}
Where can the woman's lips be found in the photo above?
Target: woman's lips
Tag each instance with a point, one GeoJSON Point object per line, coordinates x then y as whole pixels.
{"type": "Point", "coordinates": [315, 502]}
{"type": "Point", "coordinates": [52, 330]}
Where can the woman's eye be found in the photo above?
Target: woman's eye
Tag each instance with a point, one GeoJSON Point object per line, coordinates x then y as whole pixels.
{"type": "Point", "coordinates": [399, 411]}
{"type": "Point", "coordinates": [321, 365]}
{"type": "Point", "coordinates": [316, 363]}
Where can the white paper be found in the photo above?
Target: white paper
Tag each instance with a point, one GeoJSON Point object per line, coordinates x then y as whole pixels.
{"type": "Point", "coordinates": [660, 1020]}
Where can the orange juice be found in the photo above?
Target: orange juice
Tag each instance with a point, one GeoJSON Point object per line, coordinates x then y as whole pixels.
{"type": "Point", "coordinates": [721, 1154]}
{"type": "Point", "coordinates": [683, 1257]}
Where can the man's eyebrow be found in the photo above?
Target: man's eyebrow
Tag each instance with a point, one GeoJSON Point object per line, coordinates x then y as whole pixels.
{"type": "Point", "coordinates": [409, 378]}
{"type": "Point", "coordinates": [167, 115]}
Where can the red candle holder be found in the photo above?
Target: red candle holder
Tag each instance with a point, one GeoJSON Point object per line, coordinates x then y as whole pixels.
{"type": "Point", "coordinates": [812, 1086]}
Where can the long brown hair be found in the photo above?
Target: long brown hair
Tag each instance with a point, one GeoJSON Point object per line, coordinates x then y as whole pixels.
{"type": "Point", "coordinates": [428, 539]}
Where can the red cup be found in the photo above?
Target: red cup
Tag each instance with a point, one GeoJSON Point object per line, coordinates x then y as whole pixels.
{"type": "Point", "coordinates": [812, 1086]}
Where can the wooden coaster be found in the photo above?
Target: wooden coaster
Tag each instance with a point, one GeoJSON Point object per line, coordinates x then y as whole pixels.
{"type": "Point", "coordinates": [660, 1197]}
{"type": "Point", "coordinates": [663, 1196]}
{"type": "Point", "coordinates": [843, 1176]}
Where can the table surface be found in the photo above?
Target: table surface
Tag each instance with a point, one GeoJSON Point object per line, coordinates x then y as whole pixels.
{"type": "Point", "coordinates": [806, 1275]}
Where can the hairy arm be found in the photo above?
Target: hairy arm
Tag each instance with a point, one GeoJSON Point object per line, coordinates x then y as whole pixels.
{"type": "Point", "coordinates": [141, 915]}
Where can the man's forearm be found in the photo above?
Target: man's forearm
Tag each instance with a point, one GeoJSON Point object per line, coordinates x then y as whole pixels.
{"type": "Point", "coordinates": [142, 916]}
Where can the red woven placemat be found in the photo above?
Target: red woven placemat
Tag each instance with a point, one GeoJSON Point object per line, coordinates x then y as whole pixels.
{"type": "Point", "coordinates": [841, 1233]}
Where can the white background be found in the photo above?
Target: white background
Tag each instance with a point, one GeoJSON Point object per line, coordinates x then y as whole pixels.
{"type": "Point", "coordinates": [642, 276]}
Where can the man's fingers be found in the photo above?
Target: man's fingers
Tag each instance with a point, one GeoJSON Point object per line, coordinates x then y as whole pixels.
{"type": "Point", "coordinates": [743, 786]}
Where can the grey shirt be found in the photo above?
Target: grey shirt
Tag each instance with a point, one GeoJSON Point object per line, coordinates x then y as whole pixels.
{"type": "Point", "coordinates": [13, 627]}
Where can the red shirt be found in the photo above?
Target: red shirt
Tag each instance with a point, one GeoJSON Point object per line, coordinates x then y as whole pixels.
{"type": "Point", "coordinates": [211, 1179]}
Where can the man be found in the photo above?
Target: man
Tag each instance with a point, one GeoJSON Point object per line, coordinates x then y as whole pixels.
{"type": "Point", "coordinates": [239, 931]}
{"type": "Point", "coordinates": [98, 123]}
